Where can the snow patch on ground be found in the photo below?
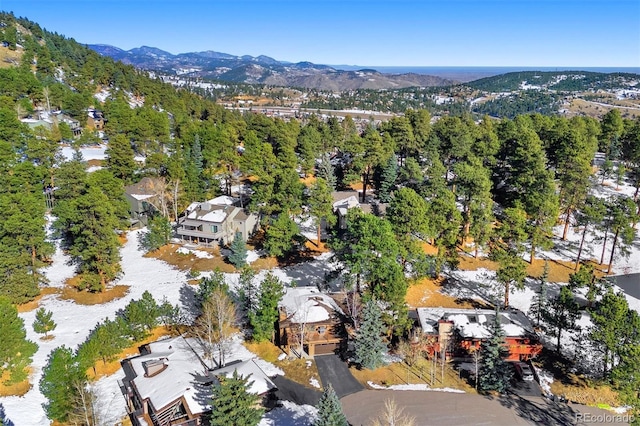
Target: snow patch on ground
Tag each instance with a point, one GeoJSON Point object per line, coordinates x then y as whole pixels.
{"type": "Point", "coordinates": [545, 380]}
{"type": "Point", "coordinates": [290, 414]}
{"type": "Point", "coordinates": [308, 227]}
{"type": "Point", "coordinates": [391, 358]}
{"type": "Point", "coordinates": [314, 382]}
{"type": "Point", "coordinates": [252, 256]}
{"type": "Point", "coordinates": [414, 387]}
{"type": "Point", "coordinates": [88, 152]}
{"type": "Point", "coordinates": [197, 253]}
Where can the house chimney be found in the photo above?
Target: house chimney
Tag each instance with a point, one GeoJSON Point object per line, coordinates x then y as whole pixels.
{"type": "Point", "coordinates": [154, 366]}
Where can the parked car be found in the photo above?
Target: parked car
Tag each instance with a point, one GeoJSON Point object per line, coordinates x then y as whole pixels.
{"type": "Point", "coordinates": [524, 371]}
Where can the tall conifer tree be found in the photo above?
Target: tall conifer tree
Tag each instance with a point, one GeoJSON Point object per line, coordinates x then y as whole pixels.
{"type": "Point", "coordinates": [329, 409]}
{"type": "Point", "coordinates": [16, 351]}
{"type": "Point", "coordinates": [369, 345]}
{"type": "Point", "coordinates": [233, 404]}
{"type": "Point", "coordinates": [494, 373]}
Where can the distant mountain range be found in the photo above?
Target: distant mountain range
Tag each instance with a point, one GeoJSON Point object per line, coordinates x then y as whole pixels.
{"type": "Point", "coordinates": [264, 70]}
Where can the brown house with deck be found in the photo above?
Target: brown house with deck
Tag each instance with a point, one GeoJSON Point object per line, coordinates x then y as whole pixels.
{"type": "Point", "coordinates": [460, 332]}
{"type": "Point", "coordinates": [310, 322]}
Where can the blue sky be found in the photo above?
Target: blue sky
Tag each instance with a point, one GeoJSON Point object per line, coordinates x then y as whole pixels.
{"type": "Point", "coordinates": [545, 33]}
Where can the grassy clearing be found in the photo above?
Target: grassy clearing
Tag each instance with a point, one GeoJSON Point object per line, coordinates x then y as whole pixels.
{"type": "Point", "coordinates": [578, 389]}
{"type": "Point", "coordinates": [83, 297]}
{"type": "Point", "coordinates": [298, 371]}
{"type": "Point", "coordinates": [420, 373]}
{"type": "Point", "coordinates": [308, 181]}
{"type": "Point", "coordinates": [628, 108]}
{"type": "Point", "coordinates": [35, 303]}
{"type": "Point", "coordinates": [9, 58]}
{"type": "Point", "coordinates": [95, 163]}
{"type": "Point", "coordinates": [264, 263]}
{"type": "Point", "coordinates": [265, 350]}
{"type": "Point", "coordinates": [575, 388]}
{"type": "Point", "coordinates": [188, 262]}
{"type": "Point", "coordinates": [427, 292]}
{"type": "Point", "coordinates": [14, 389]}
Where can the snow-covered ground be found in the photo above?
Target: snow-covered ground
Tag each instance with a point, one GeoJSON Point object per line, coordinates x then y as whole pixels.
{"type": "Point", "coordinates": [74, 323]}
{"type": "Point", "coordinates": [414, 387]}
{"type": "Point", "coordinates": [88, 152]}
{"type": "Point", "coordinates": [308, 227]}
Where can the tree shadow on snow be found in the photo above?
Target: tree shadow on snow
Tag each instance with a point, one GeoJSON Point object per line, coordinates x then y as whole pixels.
{"type": "Point", "coordinates": [188, 300]}
{"type": "Point", "coordinates": [3, 417]}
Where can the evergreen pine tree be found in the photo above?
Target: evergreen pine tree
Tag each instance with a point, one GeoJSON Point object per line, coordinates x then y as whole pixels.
{"type": "Point", "coordinates": [368, 344]}
{"type": "Point", "coordinates": [610, 319]}
{"type": "Point", "coordinates": [266, 313]}
{"type": "Point", "coordinates": [326, 171]}
{"type": "Point", "coordinates": [388, 179]}
{"type": "Point", "coordinates": [88, 224]}
{"type": "Point", "coordinates": [238, 256]}
{"type": "Point", "coordinates": [540, 299]}
{"type": "Point", "coordinates": [141, 315]}
{"type": "Point", "coordinates": [233, 404]}
{"type": "Point", "coordinates": [196, 155]}
{"type": "Point", "coordinates": [158, 234]}
{"type": "Point", "coordinates": [248, 291]}
{"type": "Point", "coordinates": [44, 323]}
{"type": "Point", "coordinates": [329, 409]}
{"type": "Point", "coordinates": [105, 342]}
{"type": "Point", "coordinates": [494, 372]}
{"type": "Point", "coordinates": [561, 314]}
{"type": "Point", "coordinates": [62, 381]}
{"type": "Point", "coordinates": [209, 284]}
{"type": "Point", "coordinates": [15, 351]}
{"type": "Point", "coordinates": [120, 158]}
{"type": "Point", "coordinates": [321, 205]}
{"type": "Point", "coordinates": [281, 235]}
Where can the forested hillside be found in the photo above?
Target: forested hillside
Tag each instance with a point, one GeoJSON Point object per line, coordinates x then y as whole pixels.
{"type": "Point", "coordinates": [459, 185]}
{"type": "Point", "coordinates": [501, 96]}
{"type": "Point", "coordinates": [569, 81]}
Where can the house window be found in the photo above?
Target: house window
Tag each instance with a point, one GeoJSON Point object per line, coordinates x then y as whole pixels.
{"type": "Point", "coordinates": [214, 229]}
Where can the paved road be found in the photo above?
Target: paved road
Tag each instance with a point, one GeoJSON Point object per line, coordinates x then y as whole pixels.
{"type": "Point", "coordinates": [630, 283]}
{"type": "Point", "coordinates": [454, 409]}
{"type": "Point", "coordinates": [335, 371]}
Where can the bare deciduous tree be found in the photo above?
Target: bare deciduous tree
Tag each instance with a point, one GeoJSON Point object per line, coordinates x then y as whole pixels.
{"type": "Point", "coordinates": [352, 302]}
{"type": "Point", "coordinates": [392, 415]}
{"type": "Point", "coordinates": [215, 325]}
{"type": "Point", "coordinates": [84, 412]}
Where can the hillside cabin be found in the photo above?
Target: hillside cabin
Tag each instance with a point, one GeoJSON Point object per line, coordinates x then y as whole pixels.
{"type": "Point", "coordinates": [310, 322]}
{"type": "Point", "coordinates": [460, 332]}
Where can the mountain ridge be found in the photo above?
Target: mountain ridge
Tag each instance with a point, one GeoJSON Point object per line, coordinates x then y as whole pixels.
{"type": "Point", "coordinates": [264, 69]}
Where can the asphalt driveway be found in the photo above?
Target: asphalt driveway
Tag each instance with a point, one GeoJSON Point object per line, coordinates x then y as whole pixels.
{"type": "Point", "coordinates": [335, 371]}
{"type": "Point", "coordinates": [295, 392]}
{"type": "Point", "coordinates": [463, 409]}
{"type": "Point", "coordinates": [630, 283]}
